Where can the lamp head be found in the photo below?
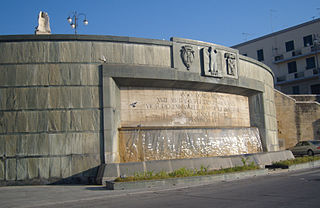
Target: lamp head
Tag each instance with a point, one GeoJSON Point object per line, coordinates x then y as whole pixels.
{"type": "Point", "coordinates": [69, 19]}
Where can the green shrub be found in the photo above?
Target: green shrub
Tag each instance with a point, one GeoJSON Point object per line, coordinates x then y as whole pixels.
{"type": "Point", "coordinates": [298, 160]}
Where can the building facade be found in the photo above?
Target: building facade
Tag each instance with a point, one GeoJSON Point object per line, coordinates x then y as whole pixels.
{"type": "Point", "coordinates": [293, 56]}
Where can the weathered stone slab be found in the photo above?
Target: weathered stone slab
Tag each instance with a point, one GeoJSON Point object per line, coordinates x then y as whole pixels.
{"type": "Point", "coordinates": [220, 162]}
{"type": "Point", "coordinates": [157, 166]}
{"type": "Point", "coordinates": [131, 168]}
{"type": "Point", "coordinates": [66, 166]}
{"type": "Point", "coordinates": [111, 170]}
{"type": "Point", "coordinates": [173, 107]}
{"type": "Point", "coordinates": [11, 169]}
{"type": "Point", "coordinates": [57, 144]}
{"type": "Point", "coordinates": [33, 167]}
{"type": "Point", "coordinates": [22, 169]}
{"type": "Point", "coordinates": [44, 168]}
{"type": "Point", "coordinates": [132, 53]}
{"type": "Point", "coordinates": [76, 143]}
{"type": "Point", "coordinates": [237, 161]}
{"type": "Point", "coordinates": [204, 162]}
{"type": "Point", "coordinates": [2, 146]}
{"type": "Point", "coordinates": [82, 163]}
{"type": "Point", "coordinates": [10, 142]}
{"type": "Point", "coordinates": [54, 120]}
{"type": "Point", "coordinates": [2, 173]}
{"type": "Point", "coordinates": [182, 163]}
{"type": "Point", "coordinates": [28, 145]}
{"type": "Point", "coordinates": [91, 142]}
{"type": "Point", "coordinates": [54, 167]}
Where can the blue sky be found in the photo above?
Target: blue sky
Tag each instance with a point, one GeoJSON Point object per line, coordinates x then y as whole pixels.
{"type": "Point", "coordinates": [217, 21]}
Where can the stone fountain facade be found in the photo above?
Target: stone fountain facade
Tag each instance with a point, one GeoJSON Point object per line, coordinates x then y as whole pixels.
{"type": "Point", "coordinates": [70, 104]}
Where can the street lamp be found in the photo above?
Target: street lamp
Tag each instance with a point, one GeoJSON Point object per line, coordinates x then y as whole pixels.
{"type": "Point", "coordinates": [74, 20]}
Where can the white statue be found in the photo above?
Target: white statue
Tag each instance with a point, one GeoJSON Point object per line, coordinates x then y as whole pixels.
{"type": "Point", "coordinates": [43, 24]}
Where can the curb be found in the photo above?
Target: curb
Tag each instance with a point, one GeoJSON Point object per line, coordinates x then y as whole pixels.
{"type": "Point", "coordinates": [314, 164]}
{"type": "Point", "coordinates": [187, 181]}
{"type": "Point", "coordinates": [110, 171]}
{"type": "Point", "coordinates": [200, 180]}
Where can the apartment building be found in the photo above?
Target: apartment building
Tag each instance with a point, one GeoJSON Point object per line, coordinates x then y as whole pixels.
{"type": "Point", "coordinates": [293, 56]}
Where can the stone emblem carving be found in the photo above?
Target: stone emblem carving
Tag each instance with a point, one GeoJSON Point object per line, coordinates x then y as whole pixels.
{"type": "Point", "coordinates": [210, 60]}
{"type": "Point", "coordinates": [230, 63]}
{"type": "Point", "coordinates": [187, 55]}
{"type": "Point", "coordinates": [43, 24]}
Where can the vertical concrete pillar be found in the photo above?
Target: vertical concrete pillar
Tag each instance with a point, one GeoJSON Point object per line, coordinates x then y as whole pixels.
{"type": "Point", "coordinates": [111, 120]}
{"type": "Point", "coordinates": [262, 116]}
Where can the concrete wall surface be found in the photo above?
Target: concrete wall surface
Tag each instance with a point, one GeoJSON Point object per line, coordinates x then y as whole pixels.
{"type": "Point", "coordinates": [297, 118]}
{"type": "Point", "coordinates": [60, 97]}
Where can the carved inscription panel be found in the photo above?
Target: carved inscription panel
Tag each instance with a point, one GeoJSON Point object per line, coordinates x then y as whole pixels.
{"type": "Point", "coordinates": [175, 107]}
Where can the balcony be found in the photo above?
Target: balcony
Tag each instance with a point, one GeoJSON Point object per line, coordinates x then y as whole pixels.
{"type": "Point", "coordinates": [298, 76]}
{"type": "Point", "coordinates": [292, 55]}
{"type": "Point", "coordinates": [296, 53]}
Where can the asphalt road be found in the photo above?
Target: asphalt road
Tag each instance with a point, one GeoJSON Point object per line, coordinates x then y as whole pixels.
{"type": "Point", "coordinates": [290, 189]}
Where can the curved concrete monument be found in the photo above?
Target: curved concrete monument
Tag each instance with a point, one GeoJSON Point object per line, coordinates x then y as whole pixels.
{"type": "Point", "coordinates": [71, 103]}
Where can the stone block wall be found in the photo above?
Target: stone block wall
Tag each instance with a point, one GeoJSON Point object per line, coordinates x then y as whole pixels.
{"type": "Point", "coordinates": [308, 114]}
{"type": "Point", "coordinates": [298, 118]}
{"type": "Point", "coordinates": [51, 127]}
{"type": "Point", "coordinates": [315, 98]}
{"type": "Point", "coordinates": [288, 126]}
{"type": "Point", "coordinates": [50, 122]}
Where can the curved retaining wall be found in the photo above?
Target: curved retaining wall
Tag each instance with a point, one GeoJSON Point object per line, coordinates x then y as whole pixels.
{"type": "Point", "coordinates": [58, 97]}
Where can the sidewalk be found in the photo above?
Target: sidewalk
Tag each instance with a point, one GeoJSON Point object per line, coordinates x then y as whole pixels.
{"type": "Point", "coordinates": [39, 196]}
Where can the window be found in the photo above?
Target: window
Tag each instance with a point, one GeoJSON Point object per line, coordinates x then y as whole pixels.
{"type": "Point", "coordinates": [315, 89]}
{"type": "Point", "coordinates": [315, 143]}
{"type": "Point", "coordinates": [307, 40]}
{"type": "Point", "coordinates": [292, 67]}
{"type": "Point", "coordinates": [295, 90]}
{"type": "Point", "coordinates": [290, 46]}
{"type": "Point", "coordinates": [310, 62]}
{"type": "Point", "coordinates": [260, 55]}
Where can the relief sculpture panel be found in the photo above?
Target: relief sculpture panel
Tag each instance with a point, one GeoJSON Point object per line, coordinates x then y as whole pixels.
{"type": "Point", "coordinates": [219, 63]}
{"type": "Point", "coordinates": [211, 62]}
{"type": "Point", "coordinates": [176, 107]}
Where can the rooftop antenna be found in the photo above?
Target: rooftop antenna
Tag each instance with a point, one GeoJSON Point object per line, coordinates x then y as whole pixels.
{"type": "Point", "coordinates": [271, 11]}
